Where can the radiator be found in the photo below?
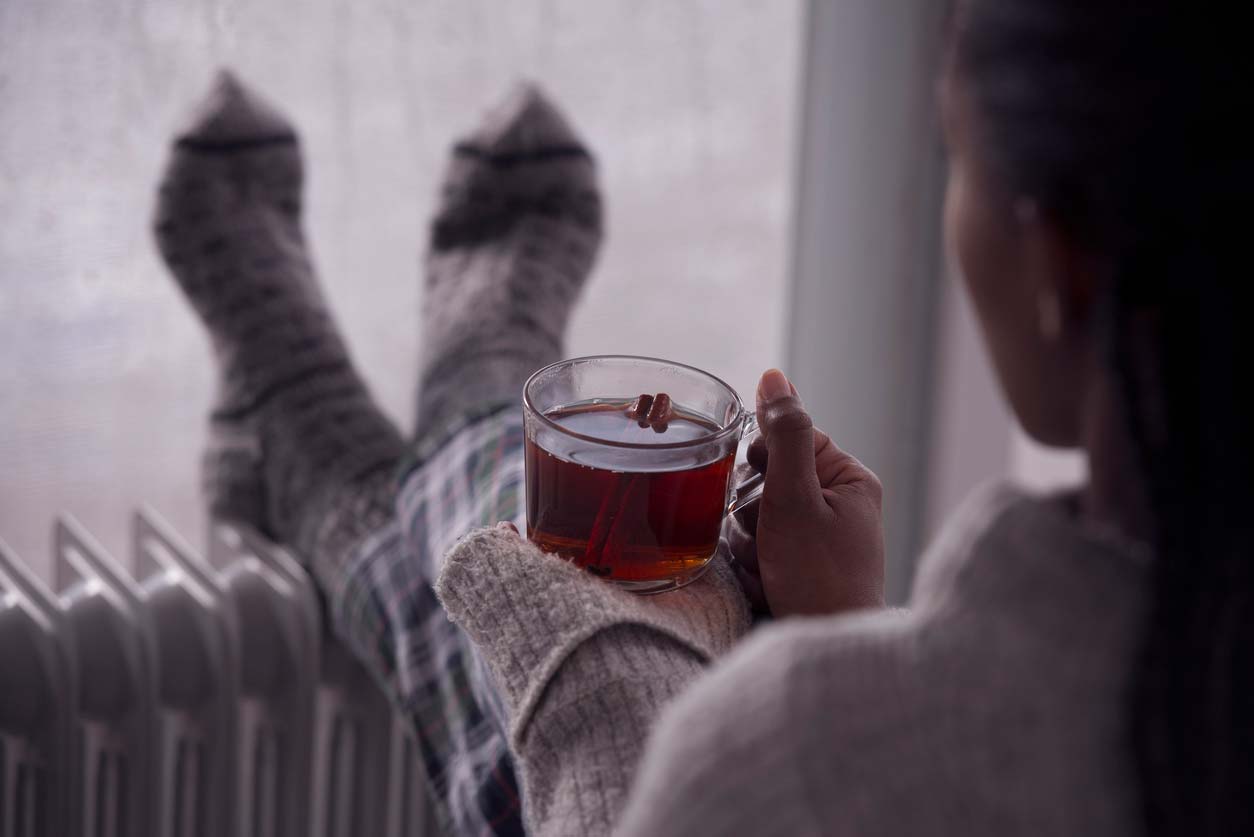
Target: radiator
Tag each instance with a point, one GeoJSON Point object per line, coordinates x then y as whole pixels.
{"type": "Point", "coordinates": [202, 697]}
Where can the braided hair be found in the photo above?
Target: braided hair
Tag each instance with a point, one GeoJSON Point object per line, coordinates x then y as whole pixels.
{"type": "Point", "coordinates": [1126, 123]}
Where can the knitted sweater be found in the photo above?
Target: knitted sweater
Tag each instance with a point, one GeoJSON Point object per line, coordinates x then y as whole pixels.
{"type": "Point", "coordinates": [993, 705]}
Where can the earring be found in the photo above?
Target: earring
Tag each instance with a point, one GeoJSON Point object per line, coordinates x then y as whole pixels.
{"type": "Point", "coordinates": [1049, 314]}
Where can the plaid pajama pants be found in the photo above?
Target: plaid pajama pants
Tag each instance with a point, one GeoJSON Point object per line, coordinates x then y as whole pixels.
{"type": "Point", "coordinates": [386, 610]}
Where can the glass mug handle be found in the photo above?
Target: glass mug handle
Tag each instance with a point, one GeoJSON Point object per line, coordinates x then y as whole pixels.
{"type": "Point", "coordinates": [751, 489]}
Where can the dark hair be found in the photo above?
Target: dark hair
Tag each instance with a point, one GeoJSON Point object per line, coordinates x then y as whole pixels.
{"type": "Point", "coordinates": [1126, 123]}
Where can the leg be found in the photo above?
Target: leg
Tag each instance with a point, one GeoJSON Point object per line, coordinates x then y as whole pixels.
{"type": "Point", "coordinates": [511, 248]}
{"type": "Point", "coordinates": [388, 611]}
{"type": "Point", "coordinates": [297, 446]}
{"type": "Point", "coordinates": [299, 450]}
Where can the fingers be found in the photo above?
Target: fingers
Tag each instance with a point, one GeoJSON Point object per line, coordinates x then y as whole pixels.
{"type": "Point", "coordinates": [836, 467]}
{"type": "Point", "coordinates": [751, 584]}
{"type": "Point", "coordinates": [791, 478]}
{"type": "Point", "coordinates": [832, 465]}
{"type": "Point", "coordinates": [743, 543]}
{"type": "Point", "coordinates": [757, 454]}
{"type": "Point", "coordinates": [747, 517]}
{"type": "Point", "coordinates": [746, 572]}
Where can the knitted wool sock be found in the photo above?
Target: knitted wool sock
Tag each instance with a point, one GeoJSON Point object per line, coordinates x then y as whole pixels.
{"type": "Point", "coordinates": [514, 239]}
{"type": "Point", "coordinates": [297, 447]}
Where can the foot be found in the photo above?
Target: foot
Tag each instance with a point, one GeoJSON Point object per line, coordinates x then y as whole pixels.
{"type": "Point", "coordinates": [513, 242]}
{"type": "Point", "coordinates": [293, 428]}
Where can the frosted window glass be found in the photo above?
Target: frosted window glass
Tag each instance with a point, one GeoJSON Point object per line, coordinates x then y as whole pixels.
{"type": "Point", "coordinates": [105, 377]}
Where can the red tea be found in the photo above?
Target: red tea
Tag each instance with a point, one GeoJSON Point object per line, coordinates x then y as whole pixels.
{"type": "Point", "coordinates": [586, 504]}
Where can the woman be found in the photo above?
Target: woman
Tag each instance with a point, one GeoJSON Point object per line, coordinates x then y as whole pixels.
{"type": "Point", "coordinates": [1073, 664]}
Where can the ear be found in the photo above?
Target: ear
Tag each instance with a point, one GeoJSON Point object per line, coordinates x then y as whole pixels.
{"type": "Point", "coordinates": [1061, 272]}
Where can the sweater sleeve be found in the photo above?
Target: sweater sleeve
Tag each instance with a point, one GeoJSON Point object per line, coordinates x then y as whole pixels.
{"type": "Point", "coordinates": [584, 667]}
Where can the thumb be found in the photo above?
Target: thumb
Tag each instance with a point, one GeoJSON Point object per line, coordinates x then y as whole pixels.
{"type": "Point", "coordinates": [791, 477]}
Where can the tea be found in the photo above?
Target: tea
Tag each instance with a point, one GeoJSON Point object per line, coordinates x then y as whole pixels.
{"type": "Point", "coordinates": [585, 503]}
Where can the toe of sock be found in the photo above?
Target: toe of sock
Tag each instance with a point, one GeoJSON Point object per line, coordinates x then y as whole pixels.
{"type": "Point", "coordinates": [524, 159]}
{"type": "Point", "coordinates": [234, 113]}
{"type": "Point", "coordinates": [526, 123]}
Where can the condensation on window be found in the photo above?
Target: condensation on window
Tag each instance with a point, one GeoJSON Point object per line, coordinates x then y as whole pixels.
{"type": "Point", "coordinates": [105, 378]}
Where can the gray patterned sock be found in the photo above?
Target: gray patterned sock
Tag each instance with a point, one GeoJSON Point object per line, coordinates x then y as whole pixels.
{"type": "Point", "coordinates": [515, 237]}
{"type": "Point", "coordinates": [297, 447]}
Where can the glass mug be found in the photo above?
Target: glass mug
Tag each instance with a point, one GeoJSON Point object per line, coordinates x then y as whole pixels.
{"type": "Point", "coordinates": [640, 505]}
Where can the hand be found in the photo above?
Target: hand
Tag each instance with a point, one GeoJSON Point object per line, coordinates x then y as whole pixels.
{"type": "Point", "coordinates": [819, 545]}
{"type": "Point", "coordinates": [741, 529]}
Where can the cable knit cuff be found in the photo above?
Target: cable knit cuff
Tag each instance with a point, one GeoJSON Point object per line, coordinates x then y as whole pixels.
{"type": "Point", "coordinates": [528, 611]}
